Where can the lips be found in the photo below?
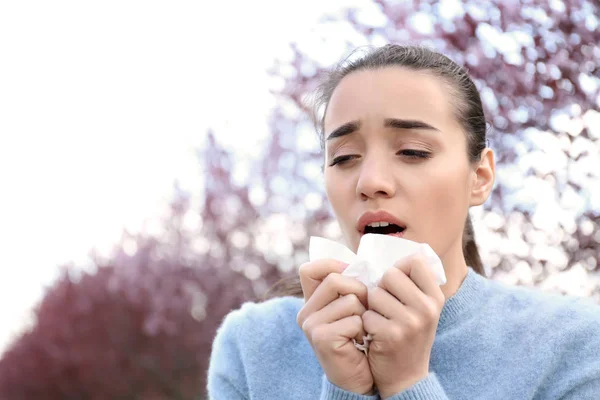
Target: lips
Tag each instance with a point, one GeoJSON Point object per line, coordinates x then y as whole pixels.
{"type": "Point", "coordinates": [378, 216]}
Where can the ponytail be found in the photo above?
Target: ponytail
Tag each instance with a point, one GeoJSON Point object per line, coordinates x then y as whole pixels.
{"type": "Point", "coordinates": [470, 251]}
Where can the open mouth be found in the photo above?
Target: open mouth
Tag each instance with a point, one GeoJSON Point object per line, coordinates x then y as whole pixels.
{"type": "Point", "coordinates": [384, 228]}
{"type": "Point", "coordinates": [380, 222]}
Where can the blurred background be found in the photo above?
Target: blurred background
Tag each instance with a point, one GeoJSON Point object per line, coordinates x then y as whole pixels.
{"type": "Point", "coordinates": [158, 168]}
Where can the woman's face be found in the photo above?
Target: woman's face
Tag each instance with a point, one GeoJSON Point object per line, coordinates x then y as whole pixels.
{"type": "Point", "coordinates": [393, 144]}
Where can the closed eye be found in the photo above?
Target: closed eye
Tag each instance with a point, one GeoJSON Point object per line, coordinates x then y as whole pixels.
{"type": "Point", "coordinates": [415, 154]}
{"type": "Point", "coordinates": [342, 159]}
{"type": "Point", "coordinates": [408, 153]}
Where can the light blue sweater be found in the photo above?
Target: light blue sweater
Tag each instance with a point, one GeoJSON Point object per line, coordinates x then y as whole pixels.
{"type": "Point", "coordinates": [492, 342]}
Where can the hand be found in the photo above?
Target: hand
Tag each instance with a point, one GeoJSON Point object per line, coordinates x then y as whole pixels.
{"type": "Point", "coordinates": [331, 318]}
{"type": "Point", "coordinates": [404, 310]}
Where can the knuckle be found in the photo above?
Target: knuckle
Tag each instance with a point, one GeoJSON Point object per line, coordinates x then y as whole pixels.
{"type": "Point", "coordinates": [332, 281]}
{"type": "Point", "coordinates": [303, 320]}
{"type": "Point", "coordinates": [300, 318]}
{"type": "Point", "coordinates": [367, 316]}
{"type": "Point", "coordinates": [307, 327]}
{"type": "Point", "coordinates": [355, 303]}
{"type": "Point", "coordinates": [414, 323]}
{"type": "Point", "coordinates": [351, 300]}
{"type": "Point", "coordinates": [397, 333]}
{"type": "Point", "coordinates": [319, 335]}
{"type": "Point", "coordinates": [440, 299]}
{"type": "Point", "coordinates": [431, 310]}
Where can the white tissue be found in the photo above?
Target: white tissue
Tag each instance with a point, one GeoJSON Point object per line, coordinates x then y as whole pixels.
{"type": "Point", "coordinates": [376, 254]}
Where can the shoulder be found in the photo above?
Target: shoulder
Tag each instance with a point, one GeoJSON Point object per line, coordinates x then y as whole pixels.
{"type": "Point", "coordinates": [260, 349]}
{"type": "Point", "coordinates": [561, 334]}
{"type": "Point", "coordinates": [259, 315]}
{"type": "Point", "coordinates": [248, 347]}
{"type": "Point", "coordinates": [566, 325]}
{"type": "Point", "coordinates": [540, 305]}
{"type": "Point", "coordinates": [254, 322]}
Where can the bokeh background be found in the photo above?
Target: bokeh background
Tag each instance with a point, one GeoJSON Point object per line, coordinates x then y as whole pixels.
{"type": "Point", "coordinates": [158, 168]}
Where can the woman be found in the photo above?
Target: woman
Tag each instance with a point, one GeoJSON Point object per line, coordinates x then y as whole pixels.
{"type": "Point", "coordinates": [404, 137]}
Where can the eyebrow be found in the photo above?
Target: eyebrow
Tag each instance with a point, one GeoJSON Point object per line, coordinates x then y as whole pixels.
{"type": "Point", "coordinates": [396, 123]}
{"type": "Point", "coordinates": [408, 124]}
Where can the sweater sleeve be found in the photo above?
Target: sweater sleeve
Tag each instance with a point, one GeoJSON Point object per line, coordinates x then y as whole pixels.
{"type": "Point", "coordinates": [577, 375]}
{"type": "Point", "coordinates": [226, 374]}
{"type": "Point", "coordinates": [329, 391]}
{"type": "Point", "coordinates": [580, 375]}
{"type": "Point", "coordinates": [428, 388]}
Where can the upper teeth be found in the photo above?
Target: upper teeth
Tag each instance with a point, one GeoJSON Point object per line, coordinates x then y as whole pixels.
{"type": "Point", "coordinates": [378, 224]}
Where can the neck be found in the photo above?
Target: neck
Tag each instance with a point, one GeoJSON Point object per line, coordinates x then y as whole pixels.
{"type": "Point", "coordinates": [456, 270]}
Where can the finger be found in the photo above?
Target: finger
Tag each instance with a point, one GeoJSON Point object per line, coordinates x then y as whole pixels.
{"type": "Point", "coordinates": [399, 285]}
{"type": "Point", "coordinates": [341, 308]}
{"type": "Point", "coordinates": [386, 305]}
{"type": "Point", "coordinates": [376, 324]}
{"type": "Point", "coordinates": [333, 286]}
{"type": "Point", "coordinates": [420, 273]}
{"type": "Point", "coordinates": [314, 272]}
{"type": "Point", "coordinates": [346, 328]}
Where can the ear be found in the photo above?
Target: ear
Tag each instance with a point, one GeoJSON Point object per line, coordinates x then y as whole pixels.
{"type": "Point", "coordinates": [483, 178]}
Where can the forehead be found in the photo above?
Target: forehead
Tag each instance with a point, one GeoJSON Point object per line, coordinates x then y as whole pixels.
{"type": "Point", "coordinates": [390, 92]}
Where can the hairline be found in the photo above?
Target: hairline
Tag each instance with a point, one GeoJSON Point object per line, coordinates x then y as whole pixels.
{"type": "Point", "coordinates": [456, 109]}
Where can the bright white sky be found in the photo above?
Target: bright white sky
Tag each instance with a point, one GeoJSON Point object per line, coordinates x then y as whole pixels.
{"type": "Point", "coordinates": [101, 106]}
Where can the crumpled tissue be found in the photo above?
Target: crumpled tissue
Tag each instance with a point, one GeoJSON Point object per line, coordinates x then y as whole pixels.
{"type": "Point", "coordinates": [376, 254]}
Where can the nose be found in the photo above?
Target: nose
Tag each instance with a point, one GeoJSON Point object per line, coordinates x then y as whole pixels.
{"type": "Point", "coordinates": [376, 179]}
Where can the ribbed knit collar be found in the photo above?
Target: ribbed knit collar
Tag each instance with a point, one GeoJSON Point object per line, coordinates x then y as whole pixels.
{"type": "Point", "coordinates": [468, 298]}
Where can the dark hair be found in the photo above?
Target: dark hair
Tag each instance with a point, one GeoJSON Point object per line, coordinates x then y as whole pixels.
{"type": "Point", "coordinates": [467, 107]}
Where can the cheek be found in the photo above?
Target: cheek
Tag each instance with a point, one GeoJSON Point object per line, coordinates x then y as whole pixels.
{"type": "Point", "coordinates": [336, 190]}
{"type": "Point", "coordinates": [444, 199]}
{"type": "Point", "coordinates": [451, 187]}
{"type": "Point", "coordinates": [340, 191]}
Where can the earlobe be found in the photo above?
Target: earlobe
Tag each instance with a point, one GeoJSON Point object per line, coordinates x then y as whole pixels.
{"type": "Point", "coordinates": [483, 178]}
